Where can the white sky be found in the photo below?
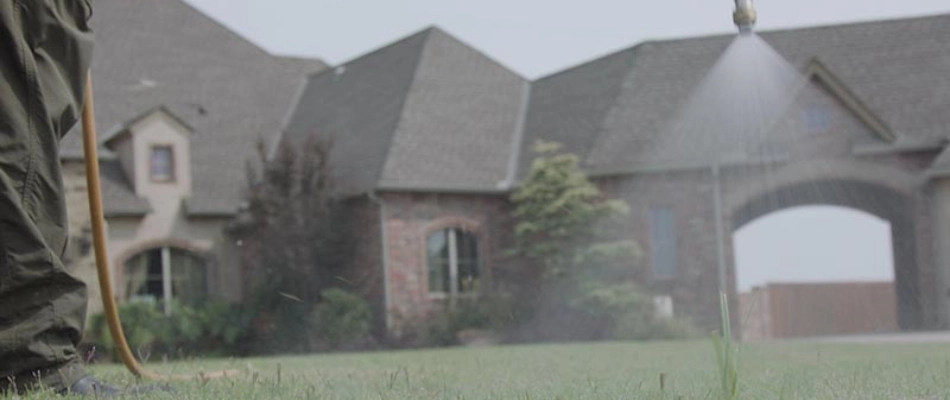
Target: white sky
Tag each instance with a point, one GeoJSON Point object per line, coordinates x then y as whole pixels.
{"type": "Point", "coordinates": [538, 37]}
{"type": "Point", "coordinates": [533, 37]}
{"type": "Point", "coordinates": [814, 244]}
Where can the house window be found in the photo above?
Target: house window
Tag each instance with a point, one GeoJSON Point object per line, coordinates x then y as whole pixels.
{"type": "Point", "coordinates": [453, 262]}
{"type": "Point", "coordinates": [162, 164]}
{"type": "Point", "coordinates": [167, 273]}
{"type": "Point", "coordinates": [817, 119]}
{"type": "Point", "coordinates": [663, 242]}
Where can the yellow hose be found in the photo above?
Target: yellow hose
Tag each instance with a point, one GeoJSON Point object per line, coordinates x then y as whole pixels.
{"type": "Point", "coordinates": [99, 237]}
{"type": "Point", "coordinates": [99, 241]}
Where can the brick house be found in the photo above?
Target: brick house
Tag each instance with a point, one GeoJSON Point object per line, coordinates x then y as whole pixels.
{"type": "Point", "coordinates": [177, 122]}
{"type": "Point", "coordinates": [430, 136]}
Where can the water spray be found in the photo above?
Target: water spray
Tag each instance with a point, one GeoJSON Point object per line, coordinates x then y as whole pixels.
{"type": "Point", "coordinates": [744, 16]}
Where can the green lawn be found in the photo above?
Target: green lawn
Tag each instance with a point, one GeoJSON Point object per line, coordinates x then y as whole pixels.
{"type": "Point", "coordinates": [579, 371]}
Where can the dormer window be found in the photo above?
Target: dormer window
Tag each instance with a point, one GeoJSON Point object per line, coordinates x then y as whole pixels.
{"type": "Point", "coordinates": [162, 164]}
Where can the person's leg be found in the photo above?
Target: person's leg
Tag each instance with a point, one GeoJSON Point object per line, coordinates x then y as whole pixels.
{"type": "Point", "coordinates": [45, 49]}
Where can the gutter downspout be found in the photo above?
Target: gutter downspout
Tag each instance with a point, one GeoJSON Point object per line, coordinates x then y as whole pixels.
{"type": "Point", "coordinates": [720, 240]}
{"type": "Point", "coordinates": [387, 292]}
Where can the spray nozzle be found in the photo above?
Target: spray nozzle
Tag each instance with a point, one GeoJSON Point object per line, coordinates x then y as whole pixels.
{"type": "Point", "coordinates": [744, 16]}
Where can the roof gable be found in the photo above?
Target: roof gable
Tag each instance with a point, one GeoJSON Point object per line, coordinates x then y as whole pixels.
{"type": "Point", "coordinates": [357, 107]}
{"type": "Point", "coordinates": [165, 53]}
{"type": "Point", "coordinates": [570, 107]}
{"type": "Point", "coordinates": [126, 129]}
{"type": "Point", "coordinates": [818, 71]}
{"type": "Point", "coordinates": [460, 122]}
{"type": "Point", "coordinates": [427, 112]}
{"type": "Point", "coordinates": [889, 75]}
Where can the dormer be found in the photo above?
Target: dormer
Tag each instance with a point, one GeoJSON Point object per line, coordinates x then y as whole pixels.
{"type": "Point", "coordinates": [154, 151]}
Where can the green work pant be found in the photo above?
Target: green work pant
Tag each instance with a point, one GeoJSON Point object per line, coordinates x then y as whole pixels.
{"type": "Point", "coordinates": [45, 50]}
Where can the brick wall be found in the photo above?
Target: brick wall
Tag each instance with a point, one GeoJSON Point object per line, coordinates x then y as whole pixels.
{"type": "Point", "coordinates": [409, 220]}
{"type": "Point", "coordinates": [695, 287]}
{"type": "Point", "coordinates": [367, 262]}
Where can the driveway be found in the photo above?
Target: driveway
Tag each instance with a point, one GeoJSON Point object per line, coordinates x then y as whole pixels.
{"type": "Point", "coordinates": [901, 337]}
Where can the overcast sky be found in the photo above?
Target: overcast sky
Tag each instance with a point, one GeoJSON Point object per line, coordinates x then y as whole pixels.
{"type": "Point", "coordinates": [538, 37]}
{"type": "Point", "coordinates": [533, 37]}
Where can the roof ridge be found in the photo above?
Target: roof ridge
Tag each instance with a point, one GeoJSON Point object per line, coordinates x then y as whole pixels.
{"type": "Point", "coordinates": [375, 51]}
{"type": "Point", "coordinates": [721, 36]}
{"type": "Point", "coordinates": [437, 30]}
{"type": "Point", "coordinates": [799, 29]}
{"type": "Point", "coordinates": [876, 21]}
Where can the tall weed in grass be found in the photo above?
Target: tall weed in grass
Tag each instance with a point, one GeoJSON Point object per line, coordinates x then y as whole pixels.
{"type": "Point", "coordinates": [726, 354]}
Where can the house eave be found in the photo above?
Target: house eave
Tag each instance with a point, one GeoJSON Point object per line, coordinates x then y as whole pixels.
{"type": "Point", "coordinates": [937, 173]}
{"type": "Point", "coordinates": [132, 213]}
{"type": "Point", "coordinates": [212, 214]}
{"type": "Point", "coordinates": [502, 188]}
{"type": "Point", "coordinates": [899, 146]}
{"type": "Point", "coordinates": [683, 167]}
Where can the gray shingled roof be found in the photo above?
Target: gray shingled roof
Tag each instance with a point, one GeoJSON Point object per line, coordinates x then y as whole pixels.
{"type": "Point", "coordinates": [569, 107]}
{"type": "Point", "coordinates": [430, 113]}
{"type": "Point", "coordinates": [152, 53]}
{"type": "Point", "coordinates": [425, 113]}
{"type": "Point", "coordinates": [117, 191]}
{"type": "Point", "coordinates": [897, 68]}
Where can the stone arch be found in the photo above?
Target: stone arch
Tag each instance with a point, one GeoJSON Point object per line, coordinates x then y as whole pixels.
{"type": "Point", "coordinates": [882, 200]}
{"type": "Point", "coordinates": [742, 188]}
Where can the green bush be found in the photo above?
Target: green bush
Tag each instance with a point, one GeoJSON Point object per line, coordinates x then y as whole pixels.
{"type": "Point", "coordinates": [643, 327]}
{"type": "Point", "coordinates": [341, 317]}
{"type": "Point", "coordinates": [490, 313]}
{"type": "Point", "coordinates": [628, 313]}
{"type": "Point", "coordinates": [139, 319]}
{"type": "Point", "coordinates": [213, 329]}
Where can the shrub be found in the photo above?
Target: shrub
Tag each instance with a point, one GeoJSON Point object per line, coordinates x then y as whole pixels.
{"type": "Point", "coordinates": [569, 228]}
{"type": "Point", "coordinates": [487, 312]}
{"type": "Point", "coordinates": [627, 313]}
{"type": "Point", "coordinates": [138, 322]}
{"type": "Point", "coordinates": [212, 329]}
{"type": "Point", "coordinates": [642, 327]}
{"type": "Point", "coordinates": [341, 317]}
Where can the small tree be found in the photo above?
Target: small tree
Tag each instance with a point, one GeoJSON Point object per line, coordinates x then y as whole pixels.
{"type": "Point", "coordinates": [587, 289]}
{"type": "Point", "coordinates": [559, 212]}
{"type": "Point", "coordinates": [295, 240]}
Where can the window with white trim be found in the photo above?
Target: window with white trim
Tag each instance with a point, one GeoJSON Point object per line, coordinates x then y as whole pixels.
{"type": "Point", "coordinates": [166, 273]}
{"type": "Point", "coordinates": [453, 262]}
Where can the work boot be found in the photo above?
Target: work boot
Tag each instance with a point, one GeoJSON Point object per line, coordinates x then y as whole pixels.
{"type": "Point", "coordinates": [90, 386]}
